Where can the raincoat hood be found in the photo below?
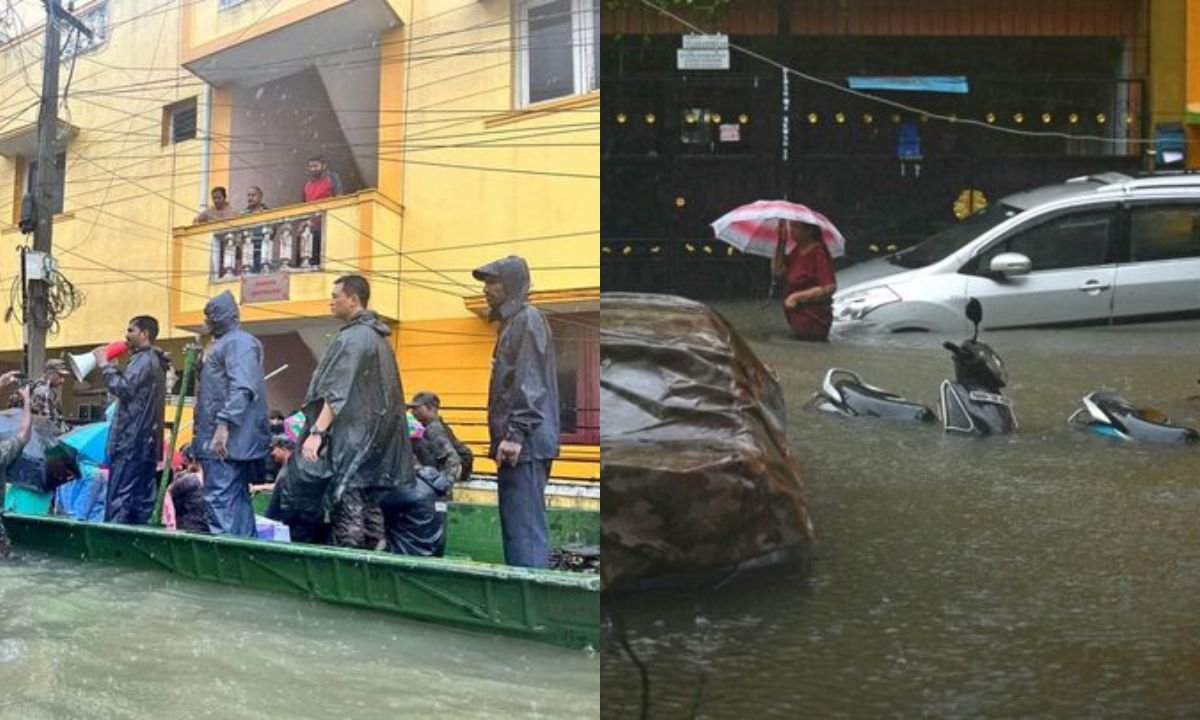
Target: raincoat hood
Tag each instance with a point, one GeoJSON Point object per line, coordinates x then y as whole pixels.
{"type": "Point", "coordinates": [371, 320]}
{"type": "Point", "coordinates": [222, 313]}
{"type": "Point", "coordinates": [513, 272]}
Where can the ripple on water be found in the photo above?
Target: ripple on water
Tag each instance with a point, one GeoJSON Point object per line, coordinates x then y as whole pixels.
{"type": "Point", "coordinates": [88, 640]}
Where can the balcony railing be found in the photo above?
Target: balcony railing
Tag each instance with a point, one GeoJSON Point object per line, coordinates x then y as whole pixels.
{"type": "Point", "coordinates": [293, 244]}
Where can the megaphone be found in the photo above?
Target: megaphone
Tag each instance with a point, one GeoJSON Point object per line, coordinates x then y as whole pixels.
{"type": "Point", "coordinates": [83, 364]}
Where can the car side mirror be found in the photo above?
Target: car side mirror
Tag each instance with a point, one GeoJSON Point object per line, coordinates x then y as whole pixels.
{"type": "Point", "coordinates": [1010, 264]}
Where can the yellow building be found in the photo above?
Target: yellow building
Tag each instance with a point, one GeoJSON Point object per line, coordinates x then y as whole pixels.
{"type": "Point", "coordinates": [1175, 70]}
{"type": "Point", "coordinates": [461, 132]}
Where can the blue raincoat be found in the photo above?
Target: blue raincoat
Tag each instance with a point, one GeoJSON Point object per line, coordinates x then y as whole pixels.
{"type": "Point", "coordinates": [232, 391]}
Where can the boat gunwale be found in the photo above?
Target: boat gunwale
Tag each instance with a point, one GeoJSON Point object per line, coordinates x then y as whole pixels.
{"type": "Point", "coordinates": [452, 566]}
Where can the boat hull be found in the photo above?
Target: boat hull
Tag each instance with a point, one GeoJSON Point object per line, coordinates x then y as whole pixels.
{"type": "Point", "coordinates": [542, 605]}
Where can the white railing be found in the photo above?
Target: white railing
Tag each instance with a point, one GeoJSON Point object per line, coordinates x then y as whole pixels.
{"type": "Point", "coordinates": [293, 244]}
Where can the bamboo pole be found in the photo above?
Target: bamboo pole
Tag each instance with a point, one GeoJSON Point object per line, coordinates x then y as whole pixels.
{"type": "Point", "coordinates": [189, 365]}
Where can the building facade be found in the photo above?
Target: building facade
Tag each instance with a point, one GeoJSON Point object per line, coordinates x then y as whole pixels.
{"type": "Point", "coordinates": [459, 134]}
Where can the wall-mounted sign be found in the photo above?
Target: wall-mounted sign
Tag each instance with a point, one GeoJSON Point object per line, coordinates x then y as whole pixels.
{"type": "Point", "coordinates": [265, 288]}
{"type": "Point", "coordinates": [703, 52]}
{"type": "Point", "coordinates": [715, 41]}
{"type": "Point", "coordinates": [731, 132]}
{"type": "Point", "coordinates": [701, 59]}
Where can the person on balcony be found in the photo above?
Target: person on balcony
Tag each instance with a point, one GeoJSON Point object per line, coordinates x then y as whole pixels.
{"type": "Point", "coordinates": [522, 410]}
{"type": "Point", "coordinates": [354, 411]}
{"type": "Point", "coordinates": [231, 419]}
{"type": "Point", "coordinates": [254, 200]}
{"type": "Point", "coordinates": [322, 182]}
{"type": "Point", "coordinates": [219, 210]}
{"type": "Point", "coordinates": [135, 435]}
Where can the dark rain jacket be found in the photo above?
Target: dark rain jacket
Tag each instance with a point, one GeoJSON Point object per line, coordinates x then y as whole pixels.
{"type": "Point", "coordinates": [367, 446]}
{"type": "Point", "coordinates": [232, 389]}
{"type": "Point", "coordinates": [523, 392]}
{"type": "Point", "coordinates": [414, 523]}
{"type": "Point", "coordinates": [136, 433]}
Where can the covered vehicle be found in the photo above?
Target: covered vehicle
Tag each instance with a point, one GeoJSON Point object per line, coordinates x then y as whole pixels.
{"type": "Point", "coordinates": [697, 476]}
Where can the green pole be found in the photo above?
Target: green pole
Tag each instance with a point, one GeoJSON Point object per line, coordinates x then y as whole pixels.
{"type": "Point", "coordinates": [189, 365]}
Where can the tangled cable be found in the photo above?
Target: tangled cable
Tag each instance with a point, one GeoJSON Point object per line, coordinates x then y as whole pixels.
{"type": "Point", "coordinates": [62, 299]}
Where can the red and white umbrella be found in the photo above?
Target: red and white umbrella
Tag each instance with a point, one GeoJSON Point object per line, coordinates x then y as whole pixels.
{"type": "Point", "coordinates": [754, 228]}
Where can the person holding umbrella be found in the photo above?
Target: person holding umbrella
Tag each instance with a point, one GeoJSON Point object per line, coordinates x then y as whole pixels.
{"type": "Point", "coordinates": [801, 244]}
{"type": "Point", "coordinates": [804, 266]}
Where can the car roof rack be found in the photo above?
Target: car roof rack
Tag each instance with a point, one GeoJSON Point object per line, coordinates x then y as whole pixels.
{"type": "Point", "coordinates": [1158, 181]}
{"type": "Point", "coordinates": [1105, 178]}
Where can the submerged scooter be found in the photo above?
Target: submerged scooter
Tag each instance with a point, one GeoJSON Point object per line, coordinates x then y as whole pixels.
{"type": "Point", "coordinates": [971, 404]}
{"type": "Point", "coordinates": [1109, 415]}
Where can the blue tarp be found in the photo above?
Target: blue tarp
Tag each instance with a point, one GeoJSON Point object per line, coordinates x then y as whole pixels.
{"type": "Point", "coordinates": [956, 84]}
{"type": "Point", "coordinates": [83, 499]}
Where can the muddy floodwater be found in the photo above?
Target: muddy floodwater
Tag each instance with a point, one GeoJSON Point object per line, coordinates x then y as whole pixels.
{"type": "Point", "coordinates": [82, 640]}
{"type": "Point", "coordinates": [1046, 574]}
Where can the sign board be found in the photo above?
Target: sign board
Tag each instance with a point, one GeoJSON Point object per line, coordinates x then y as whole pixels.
{"type": "Point", "coordinates": [265, 288]}
{"type": "Point", "coordinates": [702, 59]}
{"type": "Point", "coordinates": [730, 132]}
{"type": "Point", "coordinates": [706, 42]}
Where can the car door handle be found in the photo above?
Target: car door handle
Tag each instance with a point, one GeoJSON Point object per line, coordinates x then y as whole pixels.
{"type": "Point", "coordinates": [1093, 286]}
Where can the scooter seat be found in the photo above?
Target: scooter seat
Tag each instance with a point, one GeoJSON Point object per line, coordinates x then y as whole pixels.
{"type": "Point", "coordinates": [872, 402]}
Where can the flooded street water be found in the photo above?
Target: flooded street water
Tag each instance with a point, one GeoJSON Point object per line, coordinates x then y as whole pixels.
{"type": "Point", "coordinates": [1048, 573]}
{"type": "Point", "coordinates": [83, 640]}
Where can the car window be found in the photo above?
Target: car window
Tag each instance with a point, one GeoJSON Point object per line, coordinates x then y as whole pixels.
{"type": "Point", "coordinates": [938, 246]}
{"type": "Point", "coordinates": [1164, 232]}
{"type": "Point", "coordinates": [1067, 241]}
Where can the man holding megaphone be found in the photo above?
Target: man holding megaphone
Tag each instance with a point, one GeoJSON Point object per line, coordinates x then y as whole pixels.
{"type": "Point", "coordinates": [135, 437]}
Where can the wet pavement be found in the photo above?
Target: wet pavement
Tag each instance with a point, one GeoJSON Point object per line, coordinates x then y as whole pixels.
{"type": "Point", "coordinates": [1049, 573]}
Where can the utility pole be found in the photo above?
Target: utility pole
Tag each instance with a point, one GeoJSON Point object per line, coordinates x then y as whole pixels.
{"type": "Point", "coordinates": [37, 311]}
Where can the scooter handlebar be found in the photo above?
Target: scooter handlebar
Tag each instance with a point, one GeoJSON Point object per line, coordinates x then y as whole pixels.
{"type": "Point", "coordinates": [954, 348]}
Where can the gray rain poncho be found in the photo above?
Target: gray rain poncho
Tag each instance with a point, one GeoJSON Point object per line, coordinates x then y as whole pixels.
{"type": "Point", "coordinates": [232, 389]}
{"type": "Point", "coordinates": [523, 392]}
{"type": "Point", "coordinates": [367, 446]}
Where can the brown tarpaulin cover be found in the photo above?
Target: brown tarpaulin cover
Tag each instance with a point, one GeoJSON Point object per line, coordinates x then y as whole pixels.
{"type": "Point", "coordinates": [696, 472]}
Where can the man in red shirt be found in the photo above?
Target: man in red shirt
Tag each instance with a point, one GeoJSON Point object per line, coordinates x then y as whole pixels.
{"type": "Point", "coordinates": [322, 182]}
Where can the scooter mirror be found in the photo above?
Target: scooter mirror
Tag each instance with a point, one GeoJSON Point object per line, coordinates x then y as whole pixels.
{"type": "Point", "coordinates": [974, 311]}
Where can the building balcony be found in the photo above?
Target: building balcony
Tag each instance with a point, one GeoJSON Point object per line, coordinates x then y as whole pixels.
{"type": "Point", "coordinates": [220, 39]}
{"type": "Point", "coordinates": [281, 263]}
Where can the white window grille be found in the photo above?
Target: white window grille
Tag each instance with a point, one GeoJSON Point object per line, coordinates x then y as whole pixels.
{"type": "Point", "coordinates": [557, 48]}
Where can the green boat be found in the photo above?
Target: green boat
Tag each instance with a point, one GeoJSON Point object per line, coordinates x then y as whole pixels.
{"type": "Point", "coordinates": [466, 589]}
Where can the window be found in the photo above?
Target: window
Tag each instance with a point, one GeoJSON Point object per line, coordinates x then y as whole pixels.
{"type": "Point", "coordinates": [558, 45]}
{"type": "Point", "coordinates": [56, 203]}
{"type": "Point", "coordinates": [96, 20]}
{"type": "Point", "coordinates": [179, 122]}
{"type": "Point", "coordinates": [577, 354]}
{"type": "Point", "coordinates": [1069, 241]}
{"type": "Point", "coordinates": [227, 4]}
{"type": "Point", "coordinates": [1164, 232]}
